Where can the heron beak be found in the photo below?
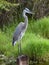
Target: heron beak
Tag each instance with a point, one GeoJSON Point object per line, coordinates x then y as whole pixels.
{"type": "Point", "coordinates": [32, 13]}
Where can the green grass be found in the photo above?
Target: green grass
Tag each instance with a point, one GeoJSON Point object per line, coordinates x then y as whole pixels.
{"type": "Point", "coordinates": [41, 27]}
{"type": "Point", "coordinates": [34, 43]}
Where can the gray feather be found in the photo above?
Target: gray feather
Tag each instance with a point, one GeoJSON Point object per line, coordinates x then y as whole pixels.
{"type": "Point", "coordinates": [19, 29]}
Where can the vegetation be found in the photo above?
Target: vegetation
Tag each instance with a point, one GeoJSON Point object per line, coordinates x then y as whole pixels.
{"type": "Point", "coordinates": [39, 48]}
{"type": "Point", "coordinates": [35, 43]}
{"type": "Point", "coordinates": [7, 13]}
{"type": "Point", "coordinates": [11, 10]}
{"type": "Point", "coordinates": [41, 27]}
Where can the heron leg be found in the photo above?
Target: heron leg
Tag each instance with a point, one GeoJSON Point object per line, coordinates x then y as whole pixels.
{"type": "Point", "coordinates": [19, 48]}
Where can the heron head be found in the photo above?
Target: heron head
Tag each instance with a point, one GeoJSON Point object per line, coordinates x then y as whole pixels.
{"type": "Point", "coordinates": [26, 10]}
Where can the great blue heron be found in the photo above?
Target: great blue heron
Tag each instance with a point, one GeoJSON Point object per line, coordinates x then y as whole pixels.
{"type": "Point", "coordinates": [21, 28]}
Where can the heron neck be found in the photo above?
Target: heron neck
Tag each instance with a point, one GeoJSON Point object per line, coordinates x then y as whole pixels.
{"type": "Point", "coordinates": [26, 19]}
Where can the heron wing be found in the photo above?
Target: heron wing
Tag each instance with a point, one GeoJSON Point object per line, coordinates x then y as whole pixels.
{"type": "Point", "coordinates": [20, 28]}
